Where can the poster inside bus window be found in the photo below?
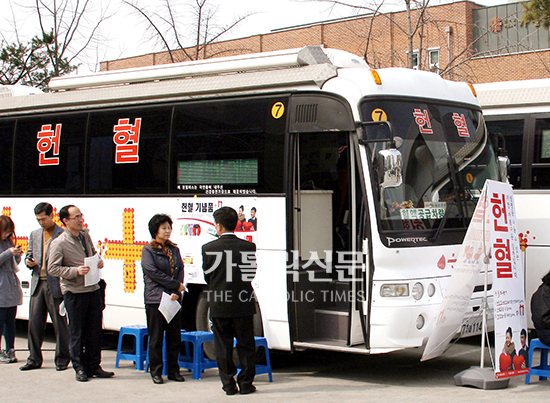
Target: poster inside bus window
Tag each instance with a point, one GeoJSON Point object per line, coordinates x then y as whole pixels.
{"type": "Point", "coordinates": [545, 144]}
{"type": "Point", "coordinates": [223, 171]}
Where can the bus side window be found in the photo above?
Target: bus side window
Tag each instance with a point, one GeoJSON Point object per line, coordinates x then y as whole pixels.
{"type": "Point", "coordinates": [128, 151]}
{"type": "Point", "coordinates": [512, 130]}
{"type": "Point", "coordinates": [49, 154]}
{"type": "Point", "coordinates": [541, 166]}
{"type": "Point", "coordinates": [6, 142]}
{"type": "Point", "coordinates": [240, 133]}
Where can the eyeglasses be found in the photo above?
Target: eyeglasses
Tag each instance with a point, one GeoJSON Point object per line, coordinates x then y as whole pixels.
{"type": "Point", "coordinates": [77, 217]}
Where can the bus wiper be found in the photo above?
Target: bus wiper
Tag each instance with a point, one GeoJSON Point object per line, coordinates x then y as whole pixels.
{"type": "Point", "coordinates": [437, 234]}
{"type": "Point", "coordinates": [457, 196]}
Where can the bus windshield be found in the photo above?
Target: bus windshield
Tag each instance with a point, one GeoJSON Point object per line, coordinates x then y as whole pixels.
{"type": "Point", "coordinates": [446, 158]}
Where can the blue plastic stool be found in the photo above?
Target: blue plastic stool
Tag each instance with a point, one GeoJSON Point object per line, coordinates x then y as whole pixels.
{"type": "Point", "coordinates": [139, 332]}
{"type": "Point", "coordinates": [260, 368]}
{"type": "Point", "coordinates": [198, 362]}
{"type": "Point", "coordinates": [543, 370]}
{"type": "Point", "coordinates": [264, 369]}
{"type": "Point", "coordinates": [164, 361]}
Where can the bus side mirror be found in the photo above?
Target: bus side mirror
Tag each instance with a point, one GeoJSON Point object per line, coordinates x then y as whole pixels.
{"type": "Point", "coordinates": [503, 160]}
{"type": "Point", "coordinates": [503, 166]}
{"type": "Point", "coordinates": [376, 132]}
{"type": "Point", "coordinates": [390, 160]}
{"type": "Point", "coordinates": [390, 168]}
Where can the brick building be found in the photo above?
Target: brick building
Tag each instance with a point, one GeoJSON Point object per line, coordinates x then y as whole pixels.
{"type": "Point", "coordinates": [461, 41]}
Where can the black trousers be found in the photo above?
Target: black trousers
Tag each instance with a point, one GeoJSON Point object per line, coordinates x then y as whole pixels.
{"type": "Point", "coordinates": [85, 312]}
{"type": "Point", "coordinates": [225, 329]}
{"type": "Point", "coordinates": [42, 304]}
{"type": "Point", "coordinates": [543, 335]}
{"type": "Point", "coordinates": [157, 327]}
{"type": "Point", "coordinates": [7, 326]}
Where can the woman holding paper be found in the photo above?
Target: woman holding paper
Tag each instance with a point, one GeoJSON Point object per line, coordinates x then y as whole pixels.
{"type": "Point", "coordinates": [163, 274]}
{"type": "Point", "coordinates": [10, 287]}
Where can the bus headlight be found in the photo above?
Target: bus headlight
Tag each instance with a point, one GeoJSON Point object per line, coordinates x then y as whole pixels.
{"type": "Point", "coordinates": [431, 290]}
{"type": "Point", "coordinates": [420, 321]}
{"type": "Point", "coordinates": [417, 291]}
{"type": "Point", "coordinates": [394, 290]}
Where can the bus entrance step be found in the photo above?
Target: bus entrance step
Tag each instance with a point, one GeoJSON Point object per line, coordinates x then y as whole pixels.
{"type": "Point", "coordinates": [331, 324]}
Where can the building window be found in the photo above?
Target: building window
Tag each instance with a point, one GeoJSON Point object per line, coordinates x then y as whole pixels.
{"type": "Point", "coordinates": [415, 60]}
{"type": "Point", "coordinates": [434, 60]}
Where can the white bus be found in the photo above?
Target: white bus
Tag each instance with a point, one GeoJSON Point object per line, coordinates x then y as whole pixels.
{"type": "Point", "coordinates": [356, 185]}
{"type": "Point", "coordinates": [519, 113]}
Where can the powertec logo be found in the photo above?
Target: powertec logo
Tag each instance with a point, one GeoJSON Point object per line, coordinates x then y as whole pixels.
{"type": "Point", "coordinates": [407, 240]}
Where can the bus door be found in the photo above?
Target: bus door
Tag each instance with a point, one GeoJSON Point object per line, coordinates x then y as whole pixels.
{"type": "Point", "coordinates": [325, 275]}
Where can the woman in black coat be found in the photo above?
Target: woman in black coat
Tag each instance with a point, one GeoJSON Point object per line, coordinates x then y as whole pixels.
{"type": "Point", "coordinates": [163, 273]}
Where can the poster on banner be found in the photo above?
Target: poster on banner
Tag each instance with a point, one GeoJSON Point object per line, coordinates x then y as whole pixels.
{"type": "Point", "coordinates": [194, 226]}
{"type": "Point", "coordinates": [509, 296]}
{"type": "Point", "coordinates": [471, 258]}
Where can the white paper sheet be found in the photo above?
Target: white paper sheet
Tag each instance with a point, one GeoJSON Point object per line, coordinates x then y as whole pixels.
{"type": "Point", "coordinates": [93, 275]}
{"type": "Point", "coordinates": [62, 311]}
{"type": "Point", "coordinates": [168, 307]}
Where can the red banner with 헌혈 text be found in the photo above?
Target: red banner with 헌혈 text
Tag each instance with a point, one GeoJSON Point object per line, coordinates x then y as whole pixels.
{"type": "Point", "coordinates": [511, 347]}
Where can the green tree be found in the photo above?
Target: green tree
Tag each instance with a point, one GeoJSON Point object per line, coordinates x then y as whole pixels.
{"type": "Point", "coordinates": [65, 34]}
{"type": "Point", "coordinates": [537, 11]}
{"type": "Point", "coordinates": [30, 63]}
{"type": "Point", "coordinates": [22, 63]}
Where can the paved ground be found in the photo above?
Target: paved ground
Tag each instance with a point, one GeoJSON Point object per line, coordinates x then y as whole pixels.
{"type": "Point", "coordinates": [309, 376]}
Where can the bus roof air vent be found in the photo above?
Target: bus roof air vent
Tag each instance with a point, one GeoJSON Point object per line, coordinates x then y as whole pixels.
{"type": "Point", "coordinates": [253, 62]}
{"type": "Point", "coordinates": [312, 55]}
{"type": "Point", "coordinates": [306, 114]}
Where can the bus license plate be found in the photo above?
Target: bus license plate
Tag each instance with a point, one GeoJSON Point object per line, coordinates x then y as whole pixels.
{"type": "Point", "coordinates": [472, 326]}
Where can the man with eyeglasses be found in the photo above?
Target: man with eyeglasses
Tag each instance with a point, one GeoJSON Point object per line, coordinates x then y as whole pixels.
{"type": "Point", "coordinates": [84, 304]}
{"type": "Point", "coordinates": [46, 293]}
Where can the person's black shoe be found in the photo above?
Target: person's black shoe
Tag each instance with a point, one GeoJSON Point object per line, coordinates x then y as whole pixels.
{"type": "Point", "coordinates": [81, 376]}
{"type": "Point", "coordinates": [28, 366]}
{"type": "Point", "coordinates": [61, 367]}
{"type": "Point", "coordinates": [231, 392]}
{"type": "Point", "coordinates": [100, 373]}
{"type": "Point", "coordinates": [157, 379]}
{"type": "Point", "coordinates": [249, 390]}
{"type": "Point", "coordinates": [176, 377]}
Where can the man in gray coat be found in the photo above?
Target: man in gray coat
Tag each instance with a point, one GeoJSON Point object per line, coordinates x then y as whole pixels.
{"type": "Point", "coordinates": [45, 294]}
{"type": "Point", "coordinates": [84, 303]}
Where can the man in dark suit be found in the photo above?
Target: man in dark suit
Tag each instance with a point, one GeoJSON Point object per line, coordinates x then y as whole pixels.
{"type": "Point", "coordinates": [45, 294]}
{"type": "Point", "coordinates": [229, 265]}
